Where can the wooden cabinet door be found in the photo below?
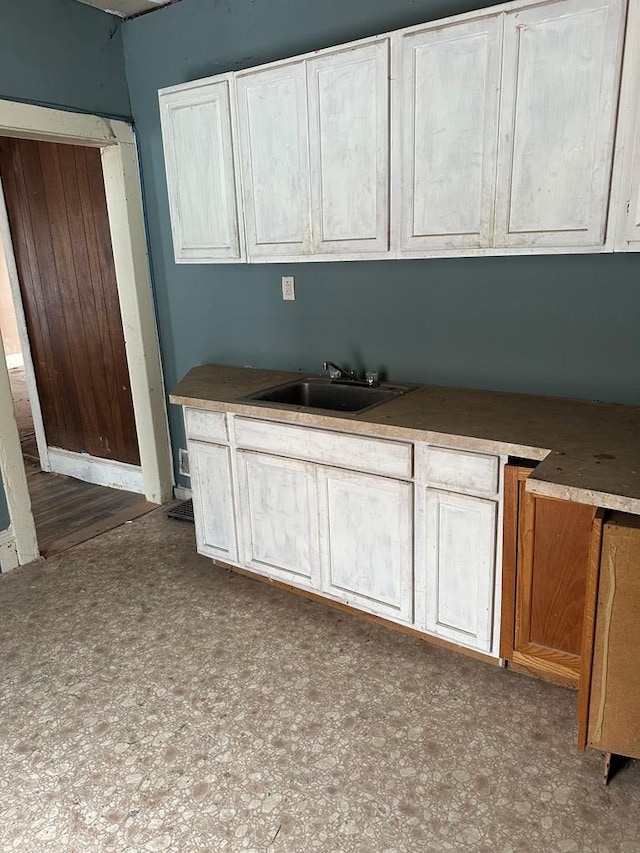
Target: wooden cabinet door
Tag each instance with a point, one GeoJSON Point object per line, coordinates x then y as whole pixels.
{"type": "Point", "coordinates": [279, 517]}
{"type": "Point", "coordinates": [559, 97]}
{"type": "Point", "coordinates": [446, 129]}
{"type": "Point", "coordinates": [367, 541]}
{"type": "Point", "coordinates": [549, 541]}
{"type": "Point", "coordinates": [274, 146]}
{"type": "Point", "coordinates": [349, 149]}
{"type": "Point", "coordinates": [196, 133]}
{"type": "Point", "coordinates": [460, 567]}
{"type": "Point", "coordinates": [213, 506]}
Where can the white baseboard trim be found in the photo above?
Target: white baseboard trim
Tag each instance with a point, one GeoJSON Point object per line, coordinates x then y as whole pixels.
{"type": "Point", "coordinates": [181, 493]}
{"type": "Point", "coordinates": [13, 360]}
{"type": "Point", "coordinates": [100, 472]}
{"type": "Point", "coordinates": [8, 551]}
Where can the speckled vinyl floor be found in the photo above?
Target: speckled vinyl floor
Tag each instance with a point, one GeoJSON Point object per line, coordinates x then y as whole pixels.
{"type": "Point", "coordinates": [152, 701]}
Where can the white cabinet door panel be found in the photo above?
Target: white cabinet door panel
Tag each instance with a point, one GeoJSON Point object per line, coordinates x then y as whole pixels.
{"type": "Point", "coordinates": [627, 167]}
{"type": "Point", "coordinates": [213, 506]}
{"type": "Point", "coordinates": [631, 239]}
{"type": "Point", "coordinates": [366, 541]}
{"type": "Point", "coordinates": [349, 149]}
{"type": "Point", "coordinates": [279, 512]}
{"type": "Point", "coordinates": [196, 132]}
{"type": "Point", "coordinates": [448, 131]}
{"type": "Point", "coordinates": [272, 116]}
{"type": "Point", "coordinates": [460, 566]}
{"type": "Point", "coordinates": [559, 97]}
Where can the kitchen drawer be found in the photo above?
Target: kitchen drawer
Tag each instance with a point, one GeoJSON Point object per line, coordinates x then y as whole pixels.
{"type": "Point", "coordinates": [374, 455]}
{"type": "Point", "coordinates": [205, 426]}
{"type": "Point", "coordinates": [458, 469]}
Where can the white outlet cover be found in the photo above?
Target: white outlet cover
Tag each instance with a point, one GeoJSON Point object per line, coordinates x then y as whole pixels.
{"type": "Point", "coordinates": [288, 287]}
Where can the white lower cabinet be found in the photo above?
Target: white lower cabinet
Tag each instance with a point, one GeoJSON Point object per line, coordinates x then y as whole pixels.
{"type": "Point", "coordinates": [279, 517]}
{"type": "Point", "coordinates": [366, 541]}
{"type": "Point", "coordinates": [213, 506]}
{"type": "Point", "coordinates": [460, 558]}
{"type": "Point", "coordinates": [413, 539]}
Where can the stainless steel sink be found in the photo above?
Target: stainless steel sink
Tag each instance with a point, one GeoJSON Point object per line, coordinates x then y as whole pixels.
{"type": "Point", "coordinates": [331, 396]}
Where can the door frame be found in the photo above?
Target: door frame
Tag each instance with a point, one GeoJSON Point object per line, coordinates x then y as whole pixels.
{"type": "Point", "coordinates": [117, 143]}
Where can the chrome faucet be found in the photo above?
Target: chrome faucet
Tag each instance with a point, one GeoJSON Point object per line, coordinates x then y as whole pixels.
{"type": "Point", "coordinates": [339, 374]}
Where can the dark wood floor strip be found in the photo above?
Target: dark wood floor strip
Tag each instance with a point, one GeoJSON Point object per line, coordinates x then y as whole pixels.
{"type": "Point", "coordinates": [68, 511]}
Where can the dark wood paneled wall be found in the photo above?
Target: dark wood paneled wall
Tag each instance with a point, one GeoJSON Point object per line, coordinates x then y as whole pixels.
{"type": "Point", "coordinates": [60, 229]}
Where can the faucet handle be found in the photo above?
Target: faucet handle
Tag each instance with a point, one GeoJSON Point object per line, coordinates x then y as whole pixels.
{"type": "Point", "coordinates": [371, 377]}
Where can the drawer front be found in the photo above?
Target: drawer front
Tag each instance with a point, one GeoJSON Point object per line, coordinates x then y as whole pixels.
{"type": "Point", "coordinates": [459, 469]}
{"type": "Point", "coordinates": [205, 426]}
{"type": "Point", "coordinates": [374, 455]}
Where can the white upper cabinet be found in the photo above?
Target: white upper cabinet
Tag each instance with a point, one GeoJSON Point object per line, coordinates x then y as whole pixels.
{"type": "Point", "coordinates": [314, 141]}
{"type": "Point", "coordinates": [197, 135]}
{"type": "Point", "coordinates": [446, 126]}
{"type": "Point", "coordinates": [274, 145]}
{"type": "Point", "coordinates": [486, 133]}
{"type": "Point", "coordinates": [626, 201]}
{"type": "Point", "coordinates": [559, 97]}
{"type": "Point", "coordinates": [348, 95]}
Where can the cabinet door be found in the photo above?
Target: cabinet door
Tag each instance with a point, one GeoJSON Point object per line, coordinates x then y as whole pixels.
{"type": "Point", "coordinates": [630, 241]}
{"type": "Point", "coordinates": [460, 567]}
{"type": "Point", "coordinates": [272, 117]}
{"type": "Point", "coordinates": [447, 131]}
{"type": "Point", "coordinates": [279, 512]}
{"type": "Point", "coordinates": [349, 149]}
{"type": "Point", "coordinates": [367, 541]}
{"type": "Point", "coordinates": [628, 144]}
{"type": "Point", "coordinates": [196, 132]}
{"type": "Point", "coordinates": [213, 507]}
{"type": "Point", "coordinates": [559, 97]}
{"type": "Point", "coordinates": [549, 540]}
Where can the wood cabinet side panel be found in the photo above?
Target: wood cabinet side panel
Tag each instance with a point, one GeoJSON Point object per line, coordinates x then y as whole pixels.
{"type": "Point", "coordinates": [588, 634]}
{"type": "Point", "coordinates": [614, 721]}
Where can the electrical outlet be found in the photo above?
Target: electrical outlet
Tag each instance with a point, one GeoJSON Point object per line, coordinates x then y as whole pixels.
{"type": "Point", "coordinates": [183, 462]}
{"type": "Point", "coordinates": [288, 288]}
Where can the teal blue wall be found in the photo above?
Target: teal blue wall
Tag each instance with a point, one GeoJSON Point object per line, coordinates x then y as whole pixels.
{"type": "Point", "coordinates": [565, 325]}
{"type": "Point", "coordinates": [63, 54]}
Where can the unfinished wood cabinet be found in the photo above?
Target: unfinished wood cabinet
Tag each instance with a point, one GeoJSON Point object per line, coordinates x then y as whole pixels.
{"type": "Point", "coordinates": [610, 678]}
{"type": "Point", "coordinates": [547, 547]}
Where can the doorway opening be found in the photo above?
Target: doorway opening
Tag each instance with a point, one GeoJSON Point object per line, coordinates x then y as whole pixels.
{"type": "Point", "coordinates": [66, 510]}
{"type": "Point", "coordinates": [118, 183]}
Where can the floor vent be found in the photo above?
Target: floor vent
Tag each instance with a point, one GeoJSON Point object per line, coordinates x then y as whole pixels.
{"type": "Point", "coordinates": [183, 511]}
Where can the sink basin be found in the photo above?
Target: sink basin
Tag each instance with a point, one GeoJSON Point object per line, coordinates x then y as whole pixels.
{"type": "Point", "coordinates": [328, 395]}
